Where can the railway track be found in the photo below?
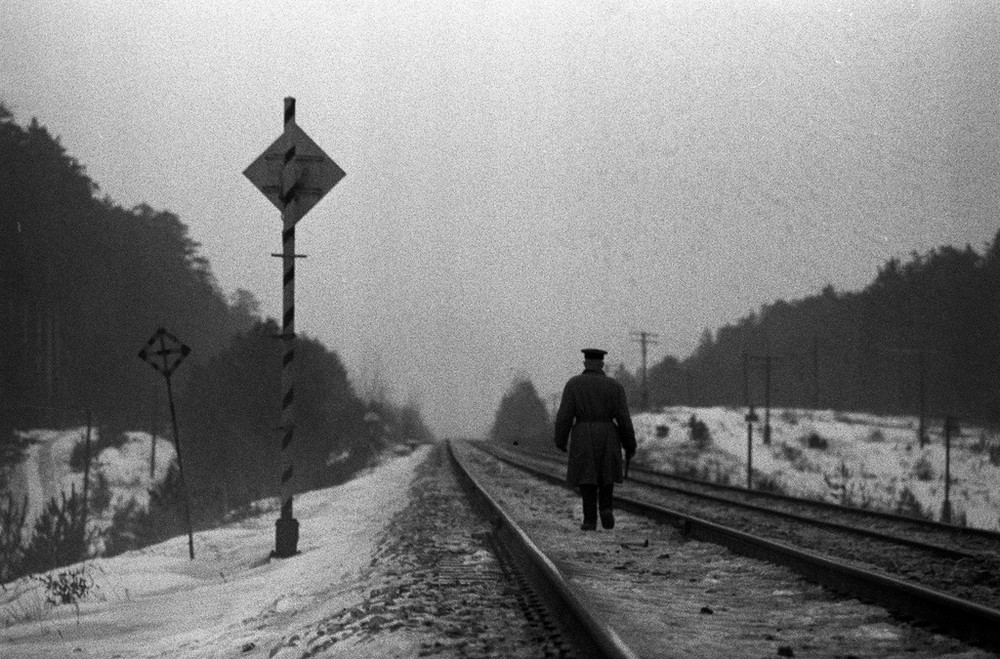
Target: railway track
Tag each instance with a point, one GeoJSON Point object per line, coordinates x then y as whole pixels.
{"type": "Point", "coordinates": [958, 540]}
{"type": "Point", "coordinates": [978, 548]}
{"type": "Point", "coordinates": [949, 586]}
{"type": "Point", "coordinates": [589, 636]}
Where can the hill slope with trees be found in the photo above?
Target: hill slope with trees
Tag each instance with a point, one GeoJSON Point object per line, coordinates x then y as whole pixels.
{"type": "Point", "coordinates": [84, 283]}
{"type": "Point", "coordinates": [927, 328]}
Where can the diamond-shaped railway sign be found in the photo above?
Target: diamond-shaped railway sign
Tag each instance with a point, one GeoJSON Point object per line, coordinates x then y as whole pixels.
{"type": "Point", "coordinates": [294, 173]}
{"type": "Point", "coordinates": [166, 357]}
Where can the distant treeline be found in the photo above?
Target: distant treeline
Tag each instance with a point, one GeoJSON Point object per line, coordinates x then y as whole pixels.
{"type": "Point", "coordinates": [84, 283]}
{"type": "Point", "coordinates": [925, 329]}
{"type": "Point", "coordinates": [522, 420]}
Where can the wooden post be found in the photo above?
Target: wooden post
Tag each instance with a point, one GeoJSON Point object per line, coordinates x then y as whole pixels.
{"type": "Point", "coordinates": [815, 373]}
{"type": "Point", "coordinates": [154, 428]}
{"type": "Point", "coordinates": [922, 430]}
{"type": "Point", "coordinates": [86, 477]}
{"type": "Point", "coordinates": [949, 427]}
{"type": "Point", "coordinates": [180, 467]}
{"type": "Point", "coordinates": [751, 418]}
{"type": "Point", "coordinates": [166, 369]}
{"type": "Point", "coordinates": [767, 397]}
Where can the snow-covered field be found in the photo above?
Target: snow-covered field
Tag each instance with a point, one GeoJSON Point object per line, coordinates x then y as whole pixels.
{"type": "Point", "coordinates": [868, 460]}
{"type": "Point", "coordinates": [231, 601]}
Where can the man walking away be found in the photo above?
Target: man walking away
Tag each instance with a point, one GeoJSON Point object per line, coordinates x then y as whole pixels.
{"type": "Point", "coordinates": [593, 419]}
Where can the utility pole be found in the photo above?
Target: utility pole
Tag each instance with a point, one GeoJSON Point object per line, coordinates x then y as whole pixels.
{"type": "Point", "coordinates": [950, 426]}
{"type": "Point", "coordinates": [767, 396]}
{"type": "Point", "coordinates": [923, 401]}
{"type": "Point", "coordinates": [644, 338]}
{"type": "Point", "coordinates": [746, 379]}
{"type": "Point", "coordinates": [767, 359]}
{"type": "Point", "coordinates": [815, 373]}
{"type": "Point", "coordinates": [921, 385]}
{"type": "Point", "coordinates": [751, 418]}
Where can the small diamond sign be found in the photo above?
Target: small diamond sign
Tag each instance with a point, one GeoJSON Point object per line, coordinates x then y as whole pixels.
{"type": "Point", "coordinates": [294, 173]}
{"type": "Point", "coordinates": [168, 355]}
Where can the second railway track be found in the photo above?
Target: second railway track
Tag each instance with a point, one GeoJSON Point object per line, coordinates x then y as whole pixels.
{"type": "Point", "coordinates": [967, 619]}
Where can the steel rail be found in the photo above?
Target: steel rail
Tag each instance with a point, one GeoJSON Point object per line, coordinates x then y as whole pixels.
{"type": "Point", "coordinates": [966, 620]}
{"type": "Point", "coordinates": [835, 507]}
{"type": "Point", "coordinates": [591, 636]}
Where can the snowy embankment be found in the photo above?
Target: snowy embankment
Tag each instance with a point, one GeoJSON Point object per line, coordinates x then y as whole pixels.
{"type": "Point", "coordinates": [231, 600]}
{"type": "Point", "coordinates": [45, 472]}
{"type": "Point", "coordinates": [864, 460]}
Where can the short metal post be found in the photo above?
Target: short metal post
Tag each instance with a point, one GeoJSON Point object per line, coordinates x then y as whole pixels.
{"type": "Point", "coordinates": [180, 468]}
{"type": "Point", "coordinates": [923, 401]}
{"type": "Point", "coordinates": [154, 429]}
{"type": "Point", "coordinates": [949, 426]}
{"type": "Point", "coordinates": [767, 397]}
{"type": "Point", "coordinates": [751, 418]}
{"type": "Point", "coordinates": [86, 476]}
{"type": "Point", "coordinates": [746, 379]}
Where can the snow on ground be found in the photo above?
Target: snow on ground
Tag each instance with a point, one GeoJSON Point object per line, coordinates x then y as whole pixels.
{"type": "Point", "coordinates": [231, 600]}
{"type": "Point", "coordinates": [868, 460]}
{"type": "Point", "coordinates": [45, 472]}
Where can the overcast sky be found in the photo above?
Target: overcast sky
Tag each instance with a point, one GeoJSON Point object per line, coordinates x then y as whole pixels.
{"type": "Point", "coordinates": [526, 179]}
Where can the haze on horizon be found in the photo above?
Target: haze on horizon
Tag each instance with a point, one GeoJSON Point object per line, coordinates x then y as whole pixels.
{"type": "Point", "coordinates": [529, 179]}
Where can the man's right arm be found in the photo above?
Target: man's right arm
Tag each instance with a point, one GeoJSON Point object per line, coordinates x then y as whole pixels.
{"type": "Point", "coordinates": [564, 419]}
{"type": "Point", "coordinates": [626, 431]}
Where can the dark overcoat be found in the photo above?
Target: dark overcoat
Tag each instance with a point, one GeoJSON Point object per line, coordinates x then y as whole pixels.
{"type": "Point", "coordinates": [593, 419]}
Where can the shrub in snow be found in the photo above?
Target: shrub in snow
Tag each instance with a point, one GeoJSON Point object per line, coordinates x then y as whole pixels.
{"type": "Point", "coordinates": [59, 537]}
{"type": "Point", "coordinates": [698, 432]}
{"type": "Point", "coordinates": [994, 454]}
{"type": "Point", "coordinates": [837, 481]}
{"type": "Point", "coordinates": [100, 494]}
{"type": "Point", "coordinates": [133, 526]}
{"type": "Point", "coordinates": [815, 440]}
{"type": "Point", "coordinates": [768, 483]}
{"type": "Point", "coordinates": [127, 524]}
{"type": "Point", "coordinates": [66, 587]}
{"type": "Point", "coordinates": [908, 504]}
{"type": "Point", "coordinates": [858, 495]}
{"type": "Point", "coordinates": [78, 456]}
{"type": "Point", "coordinates": [922, 469]}
{"type": "Point", "coordinates": [789, 417]}
{"type": "Point", "coordinates": [790, 453]}
{"type": "Point", "coordinates": [12, 518]}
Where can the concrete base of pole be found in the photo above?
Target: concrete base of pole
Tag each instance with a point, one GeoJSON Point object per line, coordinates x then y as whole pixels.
{"type": "Point", "coordinates": [286, 537]}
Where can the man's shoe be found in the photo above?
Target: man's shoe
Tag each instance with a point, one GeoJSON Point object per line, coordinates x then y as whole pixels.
{"type": "Point", "coordinates": [607, 519]}
{"type": "Point", "coordinates": [588, 526]}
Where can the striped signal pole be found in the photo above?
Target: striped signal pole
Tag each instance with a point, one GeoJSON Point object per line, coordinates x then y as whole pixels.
{"type": "Point", "coordinates": [286, 537]}
{"type": "Point", "coordinates": [294, 174]}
